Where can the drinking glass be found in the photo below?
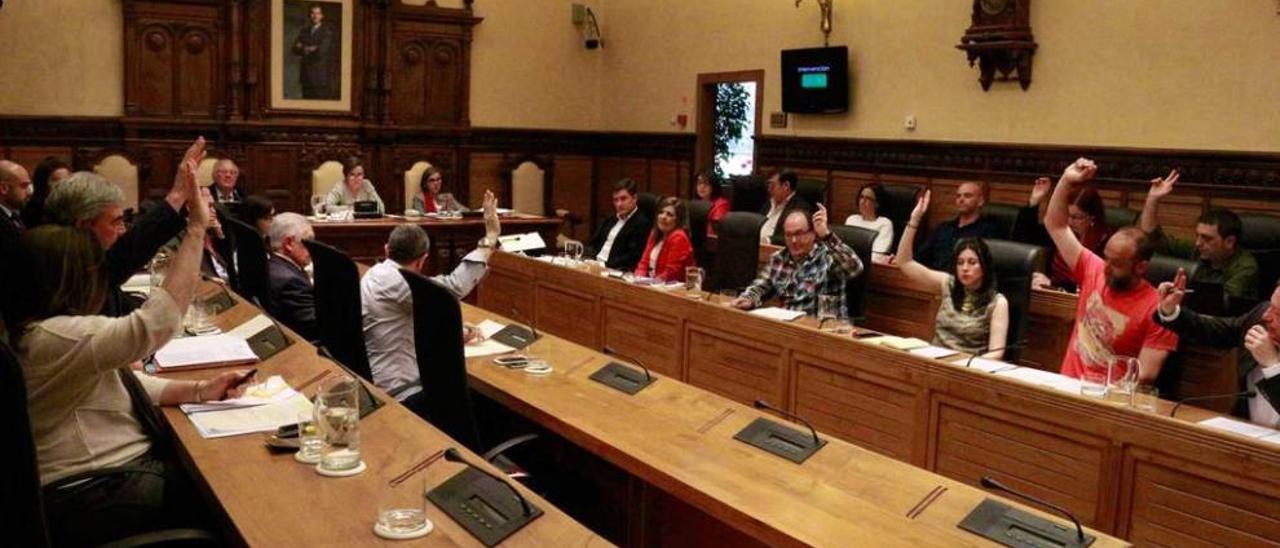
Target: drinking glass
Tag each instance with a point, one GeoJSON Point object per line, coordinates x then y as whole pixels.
{"type": "Point", "coordinates": [402, 508]}
{"type": "Point", "coordinates": [310, 439]}
{"type": "Point", "coordinates": [574, 250]}
{"type": "Point", "coordinates": [1093, 379]}
{"type": "Point", "coordinates": [317, 205]}
{"type": "Point", "coordinates": [338, 416]}
{"type": "Point", "coordinates": [1145, 397]}
{"type": "Point", "coordinates": [828, 308]}
{"type": "Point", "coordinates": [693, 277]}
{"type": "Point", "coordinates": [199, 318]}
{"type": "Point", "coordinates": [1122, 379]}
{"type": "Point", "coordinates": [158, 267]}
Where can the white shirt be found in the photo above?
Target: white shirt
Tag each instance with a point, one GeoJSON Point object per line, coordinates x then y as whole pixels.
{"type": "Point", "coordinates": [603, 255]}
{"type": "Point", "coordinates": [1260, 411]}
{"type": "Point", "coordinates": [772, 219]}
{"type": "Point", "coordinates": [387, 306]}
{"type": "Point", "coordinates": [883, 227]}
{"type": "Point", "coordinates": [653, 259]}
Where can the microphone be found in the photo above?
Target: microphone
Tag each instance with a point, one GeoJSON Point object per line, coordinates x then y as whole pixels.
{"type": "Point", "coordinates": [761, 404]}
{"type": "Point", "coordinates": [1018, 344]}
{"type": "Point", "coordinates": [1247, 394]}
{"type": "Point", "coordinates": [452, 455]}
{"type": "Point", "coordinates": [515, 314]}
{"type": "Point", "coordinates": [991, 483]}
{"type": "Point", "coordinates": [610, 351]}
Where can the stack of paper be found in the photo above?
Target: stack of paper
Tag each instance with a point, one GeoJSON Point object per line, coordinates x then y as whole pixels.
{"type": "Point", "coordinates": [900, 343]}
{"type": "Point", "coordinates": [991, 366]}
{"type": "Point", "coordinates": [1247, 429]}
{"type": "Point", "coordinates": [934, 352]}
{"type": "Point", "coordinates": [247, 330]}
{"type": "Point", "coordinates": [138, 283]}
{"type": "Point", "coordinates": [775, 313]}
{"type": "Point", "coordinates": [274, 390]}
{"type": "Point", "coordinates": [210, 351]}
{"type": "Point", "coordinates": [1043, 378]}
{"type": "Point", "coordinates": [487, 347]}
{"type": "Point", "coordinates": [521, 242]}
{"type": "Point", "coordinates": [247, 420]}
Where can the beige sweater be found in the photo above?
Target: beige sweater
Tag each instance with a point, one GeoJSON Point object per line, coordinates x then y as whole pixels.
{"type": "Point", "coordinates": [81, 415]}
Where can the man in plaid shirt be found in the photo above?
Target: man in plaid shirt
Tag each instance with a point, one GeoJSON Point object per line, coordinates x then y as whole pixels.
{"type": "Point", "coordinates": [815, 262]}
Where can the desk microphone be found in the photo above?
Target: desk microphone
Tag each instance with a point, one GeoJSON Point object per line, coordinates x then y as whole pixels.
{"type": "Point", "coordinates": [515, 314]}
{"type": "Point", "coordinates": [991, 483]}
{"type": "Point", "coordinates": [610, 351]}
{"type": "Point", "coordinates": [1247, 394]}
{"type": "Point", "coordinates": [452, 455]}
{"type": "Point", "coordinates": [761, 404]}
{"type": "Point", "coordinates": [1018, 344]}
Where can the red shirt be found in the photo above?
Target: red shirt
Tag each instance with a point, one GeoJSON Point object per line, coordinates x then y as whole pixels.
{"type": "Point", "coordinates": [675, 255]}
{"type": "Point", "coordinates": [1109, 322]}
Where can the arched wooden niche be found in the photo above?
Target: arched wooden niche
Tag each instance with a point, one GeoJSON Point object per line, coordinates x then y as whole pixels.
{"type": "Point", "coordinates": [529, 184]}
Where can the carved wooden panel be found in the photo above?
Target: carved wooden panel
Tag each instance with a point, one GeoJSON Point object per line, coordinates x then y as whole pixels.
{"type": "Point", "coordinates": [174, 63]}
{"type": "Point", "coordinates": [638, 170]}
{"type": "Point", "coordinates": [428, 75]}
{"type": "Point", "coordinates": [572, 191]}
{"type": "Point", "coordinates": [1173, 505]}
{"type": "Point", "coordinates": [274, 175]}
{"type": "Point", "coordinates": [871, 410]}
{"type": "Point", "coordinates": [738, 369]}
{"type": "Point", "coordinates": [582, 326]}
{"type": "Point", "coordinates": [654, 339]}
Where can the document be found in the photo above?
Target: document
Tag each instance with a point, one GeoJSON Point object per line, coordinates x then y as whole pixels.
{"type": "Point", "coordinates": [775, 313]}
{"type": "Point", "coordinates": [247, 420]}
{"type": "Point", "coordinates": [209, 351]}
{"type": "Point", "coordinates": [522, 242]}
{"type": "Point", "coordinates": [989, 365]}
{"type": "Point", "coordinates": [1043, 378]}
{"type": "Point", "coordinates": [273, 390]}
{"type": "Point", "coordinates": [250, 328]}
{"type": "Point", "coordinates": [934, 352]}
{"type": "Point", "coordinates": [900, 343]}
{"type": "Point", "coordinates": [487, 347]}
{"type": "Point", "coordinates": [1242, 428]}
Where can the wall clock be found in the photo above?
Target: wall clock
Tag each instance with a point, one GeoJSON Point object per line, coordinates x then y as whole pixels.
{"type": "Point", "coordinates": [999, 41]}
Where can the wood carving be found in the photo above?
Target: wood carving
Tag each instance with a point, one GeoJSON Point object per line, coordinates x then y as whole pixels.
{"type": "Point", "coordinates": [1000, 41]}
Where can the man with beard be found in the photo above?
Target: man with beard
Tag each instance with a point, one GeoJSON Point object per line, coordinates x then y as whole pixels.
{"type": "Point", "coordinates": [1115, 313]}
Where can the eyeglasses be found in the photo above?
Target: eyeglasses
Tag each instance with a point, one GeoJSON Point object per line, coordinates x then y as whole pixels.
{"type": "Point", "coordinates": [867, 198]}
{"type": "Point", "coordinates": [797, 235]}
{"type": "Point", "coordinates": [432, 179]}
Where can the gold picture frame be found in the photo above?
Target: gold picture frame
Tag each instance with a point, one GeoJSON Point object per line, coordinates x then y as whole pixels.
{"type": "Point", "coordinates": [311, 54]}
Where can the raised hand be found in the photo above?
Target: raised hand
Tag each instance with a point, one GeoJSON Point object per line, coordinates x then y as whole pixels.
{"type": "Point", "coordinates": [922, 207]}
{"type": "Point", "coordinates": [820, 222]}
{"type": "Point", "coordinates": [1080, 171]}
{"type": "Point", "coordinates": [1261, 346]}
{"type": "Point", "coordinates": [1040, 190]}
{"type": "Point", "coordinates": [492, 227]}
{"type": "Point", "coordinates": [1171, 293]}
{"type": "Point", "coordinates": [197, 207]}
{"type": "Point", "coordinates": [1161, 187]}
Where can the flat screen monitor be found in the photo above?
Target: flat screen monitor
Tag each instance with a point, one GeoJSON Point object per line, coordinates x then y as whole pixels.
{"type": "Point", "coordinates": [815, 80]}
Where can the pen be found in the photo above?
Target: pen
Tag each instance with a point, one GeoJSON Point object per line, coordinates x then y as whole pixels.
{"type": "Point", "coordinates": [243, 378]}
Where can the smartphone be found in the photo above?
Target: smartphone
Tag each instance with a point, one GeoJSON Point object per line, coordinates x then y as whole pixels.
{"type": "Point", "coordinates": [511, 361]}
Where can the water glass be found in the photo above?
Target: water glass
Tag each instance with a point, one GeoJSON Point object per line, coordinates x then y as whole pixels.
{"type": "Point", "coordinates": [317, 205]}
{"type": "Point", "coordinates": [402, 508]}
{"type": "Point", "coordinates": [338, 416]}
{"type": "Point", "coordinates": [1145, 398]}
{"type": "Point", "coordinates": [574, 250]}
{"type": "Point", "coordinates": [693, 277]}
{"type": "Point", "coordinates": [158, 267]}
{"type": "Point", "coordinates": [310, 439]}
{"type": "Point", "coordinates": [1093, 380]}
{"type": "Point", "coordinates": [199, 318]}
{"type": "Point", "coordinates": [1122, 379]}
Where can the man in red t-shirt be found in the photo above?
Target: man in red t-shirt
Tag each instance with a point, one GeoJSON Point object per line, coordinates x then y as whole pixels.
{"type": "Point", "coordinates": [1114, 314]}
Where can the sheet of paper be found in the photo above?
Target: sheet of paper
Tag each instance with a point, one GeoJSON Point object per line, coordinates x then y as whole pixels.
{"type": "Point", "coordinates": [1247, 429]}
{"type": "Point", "coordinates": [273, 390]}
{"type": "Point", "coordinates": [222, 349]}
{"type": "Point", "coordinates": [775, 313]}
{"type": "Point", "coordinates": [250, 328]}
{"type": "Point", "coordinates": [247, 420]}
{"type": "Point", "coordinates": [487, 347]}
{"type": "Point", "coordinates": [1273, 439]}
{"type": "Point", "coordinates": [522, 242]}
{"type": "Point", "coordinates": [934, 352]}
{"type": "Point", "coordinates": [1043, 378]}
{"type": "Point", "coordinates": [901, 343]}
{"type": "Point", "coordinates": [989, 365]}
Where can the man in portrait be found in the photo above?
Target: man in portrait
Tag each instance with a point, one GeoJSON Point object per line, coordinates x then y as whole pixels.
{"type": "Point", "coordinates": [317, 45]}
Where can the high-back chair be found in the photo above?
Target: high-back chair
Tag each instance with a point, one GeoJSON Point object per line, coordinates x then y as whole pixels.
{"type": "Point", "coordinates": [860, 239]}
{"type": "Point", "coordinates": [738, 253]}
{"type": "Point", "coordinates": [338, 311]}
{"type": "Point", "coordinates": [1014, 262]}
{"type": "Point", "coordinates": [250, 262]}
{"type": "Point", "coordinates": [1006, 216]}
{"type": "Point", "coordinates": [1119, 217]}
{"type": "Point", "coordinates": [1260, 234]}
{"type": "Point", "coordinates": [812, 190]}
{"type": "Point", "coordinates": [648, 204]}
{"type": "Point", "coordinates": [748, 193]}
{"type": "Point", "coordinates": [899, 200]}
{"type": "Point", "coordinates": [698, 211]}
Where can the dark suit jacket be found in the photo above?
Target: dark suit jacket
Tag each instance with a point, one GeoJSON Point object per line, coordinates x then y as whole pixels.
{"type": "Point", "coordinates": [237, 195]}
{"type": "Point", "coordinates": [134, 249]}
{"type": "Point", "coordinates": [795, 202]}
{"type": "Point", "coordinates": [629, 244]}
{"type": "Point", "coordinates": [316, 69]}
{"type": "Point", "coordinates": [10, 275]}
{"type": "Point", "coordinates": [1221, 332]}
{"type": "Point", "coordinates": [293, 299]}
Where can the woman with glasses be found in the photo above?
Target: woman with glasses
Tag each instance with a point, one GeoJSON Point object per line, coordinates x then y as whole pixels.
{"type": "Point", "coordinates": [430, 199]}
{"type": "Point", "coordinates": [868, 217]}
{"type": "Point", "coordinates": [973, 317]}
{"type": "Point", "coordinates": [1087, 219]}
{"type": "Point", "coordinates": [353, 188]}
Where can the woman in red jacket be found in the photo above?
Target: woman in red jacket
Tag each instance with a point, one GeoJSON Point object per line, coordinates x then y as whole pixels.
{"type": "Point", "coordinates": [669, 250]}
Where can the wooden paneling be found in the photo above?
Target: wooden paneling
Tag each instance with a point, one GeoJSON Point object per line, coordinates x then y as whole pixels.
{"type": "Point", "coordinates": [173, 60]}
{"type": "Point", "coordinates": [486, 173]}
{"type": "Point", "coordinates": [646, 336]}
{"type": "Point", "coordinates": [870, 410]}
{"type": "Point", "coordinates": [572, 191]}
{"type": "Point", "coordinates": [663, 178]}
{"type": "Point", "coordinates": [507, 292]}
{"type": "Point", "coordinates": [844, 194]}
{"type": "Point", "coordinates": [553, 313]}
{"type": "Point", "coordinates": [738, 369]}
{"type": "Point", "coordinates": [1173, 507]}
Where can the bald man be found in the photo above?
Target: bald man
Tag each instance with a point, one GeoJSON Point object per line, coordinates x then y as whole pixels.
{"type": "Point", "coordinates": [939, 249]}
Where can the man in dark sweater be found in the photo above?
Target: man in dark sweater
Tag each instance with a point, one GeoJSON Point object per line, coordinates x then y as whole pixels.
{"type": "Point", "coordinates": [969, 223]}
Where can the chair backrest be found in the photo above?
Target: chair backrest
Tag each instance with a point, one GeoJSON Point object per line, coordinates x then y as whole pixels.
{"type": "Point", "coordinates": [738, 253]}
{"type": "Point", "coordinates": [20, 481]}
{"type": "Point", "coordinates": [442, 366]}
{"type": "Point", "coordinates": [1014, 262]}
{"type": "Point", "coordinates": [1163, 268]}
{"type": "Point", "coordinates": [648, 203]}
{"type": "Point", "coordinates": [860, 239]}
{"type": "Point", "coordinates": [698, 211]}
{"type": "Point", "coordinates": [338, 312]}
{"type": "Point", "coordinates": [1118, 217]}
{"type": "Point", "coordinates": [528, 188]}
{"type": "Point", "coordinates": [413, 178]}
{"type": "Point", "coordinates": [250, 262]}
{"type": "Point", "coordinates": [812, 190]}
{"type": "Point", "coordinates": [1004, 215]}
{"type": "Point", "coordinates": [1260, 234]}
{"type": "Point", "coordinates": [324, 176]}
{"type": "Point", "coordinates": [121, 172]}
{"type": "Point", "coordinates": [899, 200]}
{"type": "Point", "coordinates": [226, 247]}
{"type": "Point", "coordinates": [748, 193]}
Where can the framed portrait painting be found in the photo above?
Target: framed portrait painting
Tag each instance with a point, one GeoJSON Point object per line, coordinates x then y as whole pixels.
{"type": "Point", "coordinates": [311, 53]}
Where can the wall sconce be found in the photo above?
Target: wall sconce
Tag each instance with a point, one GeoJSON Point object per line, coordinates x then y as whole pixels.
{"type": "Point", "coordinates": [582, 15]}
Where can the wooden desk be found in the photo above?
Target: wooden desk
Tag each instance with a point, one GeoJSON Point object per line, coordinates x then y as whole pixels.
{"type": "Point", "coordinates": [271, 500]}
{"type": "Point", "coordinates": [1140, 476]}
{"type": "Point", "coordinates": [679, 439]}
{"type": "Point", "coordinates": [363, 240]}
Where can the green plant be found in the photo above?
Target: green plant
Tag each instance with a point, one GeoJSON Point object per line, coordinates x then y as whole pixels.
{"type": "Point", "coordinates": [730, 120]}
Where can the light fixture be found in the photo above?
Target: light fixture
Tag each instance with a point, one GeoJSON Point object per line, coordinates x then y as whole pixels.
{"type": "Point", "coordinates": [591, 31]}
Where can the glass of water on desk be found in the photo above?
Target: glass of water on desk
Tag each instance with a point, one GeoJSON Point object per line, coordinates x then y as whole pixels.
{"type": "Point", "coordinates": [402, 508]}
{"type": "Point", "coordinates": [338, 416]}
{"type": "Point", "coordinates": [693, 281]}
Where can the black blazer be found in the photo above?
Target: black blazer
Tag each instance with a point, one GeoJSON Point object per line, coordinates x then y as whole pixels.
{"type": "Point", "coordinates": [627, 247]}
{"type": "Point", "coordinates": [795, 202]}
{"type": "Point", "coordinates": [11, 278]}
{"type": "Point", "coordinates": [293, 299]}
{"type": "Point", "coordinates": [1221, 332]}
{"type": "Point", "coordinates": [131, 252]}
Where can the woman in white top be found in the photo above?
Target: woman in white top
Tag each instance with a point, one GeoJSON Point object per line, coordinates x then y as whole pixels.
{"type": "Point", "coordinates": [76, 366]}
{"type": "Point", "coordinates": [868, 217]}
{"type": "Point", "coordinates": [354, 188]}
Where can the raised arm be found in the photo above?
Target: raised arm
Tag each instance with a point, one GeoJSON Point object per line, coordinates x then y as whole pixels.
{"type": "Point", "coordinates": [1149, 221]}
{"type": "Point", "coordinates": [1213, 331]}
{"type": "Point", "coordinates": [1055, 219]}
{"type": "Point", "coordinates": [845, 262]}
{"type": "Point", "coordinates": [906, 258]}
{"type": "Point", "coordinates": [467, 275]}
{"type": "Point", "coordinates": [184, 273]}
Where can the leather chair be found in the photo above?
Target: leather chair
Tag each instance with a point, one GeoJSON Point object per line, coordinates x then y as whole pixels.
{"type": "Point", "coordinates": [813, 191]}
{"type": "Point", "coordinates": [1118, 217]}
{"type": "Point", "coordinates": [1163, 268]}
{"type": "Point", "coordinates": [698, 211]}
{"type": "Point", "coordinates": [1261, 236]}
{"type": "Point", "coordinates": [899, 200]}
{"type": "Point", "coordinates": [748, 193]}
{"type": "Point", "coordinates": [1007, 216]}
{"type": "Point", "coordinates": [338, 311]}
{"type": "Point", "coordinates": [250, 263]}
{"type": "Point", "coordinates": [442, 368]}
{"type": "Point", "coordinates": [648, 204]}
{"type": "Point", "coordinates": [860, 239]}
{"type": "Point", "coordinates": [1014, 262]}
{"type": "Point", "coordinates": [20, 490]}
{"type": "Point", "coordinates": [738, 255]}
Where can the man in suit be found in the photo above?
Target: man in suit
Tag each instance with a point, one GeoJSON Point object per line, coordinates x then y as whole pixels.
{"type": "Point", "coordinates": [226, 175]}
{"type": "Point", "coordinates": [782, 200]}
{"type": "Point", "coordinates": [315, 46]}
{"type": "Point", "coordinates": [1255, 335]}
{"type": "Point", "coordinates": [292, 299]}
{"type": "Point", "coordinates": [15, 190]}
{"type": "Point", "coordinates": [621, 238]}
